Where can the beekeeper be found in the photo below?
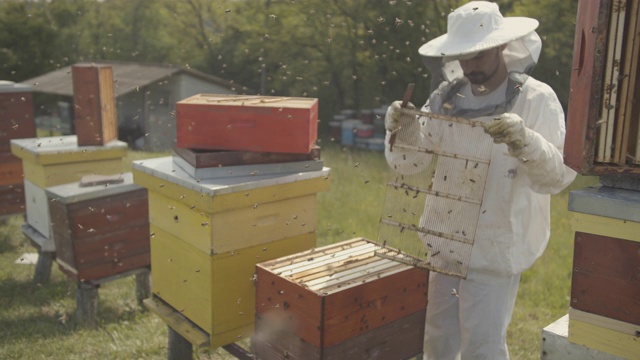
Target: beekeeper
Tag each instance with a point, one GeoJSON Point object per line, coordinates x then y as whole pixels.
{"type": "Point", "coordinates": [482, 66]}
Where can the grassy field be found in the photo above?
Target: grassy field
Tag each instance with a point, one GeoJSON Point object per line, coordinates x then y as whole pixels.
{"type": "Point", "coordinates": [37, 321]}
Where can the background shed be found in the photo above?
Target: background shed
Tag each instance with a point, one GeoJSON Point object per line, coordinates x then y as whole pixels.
{"type": "Point", "coordinates": [145, 96]}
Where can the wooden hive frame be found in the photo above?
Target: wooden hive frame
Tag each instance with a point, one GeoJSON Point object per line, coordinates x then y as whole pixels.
{"type": "Point", "coordinates": [431, 212]}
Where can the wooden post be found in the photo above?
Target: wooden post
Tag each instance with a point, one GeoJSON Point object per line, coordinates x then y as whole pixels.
{"type": "Point", "coordinates": [87, 304]}
{"type": "Point", "coordinates": [143, 287]}
{"type": "Point", "coordinates": [43, 267]}
{"type": "Point", "coordinates": [179, 347]}
{"type": "Point", "coordinates": [238, 352]}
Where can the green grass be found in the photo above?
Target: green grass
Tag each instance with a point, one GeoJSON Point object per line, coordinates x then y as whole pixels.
{"type": "Point", "coordinates": [38, 321]}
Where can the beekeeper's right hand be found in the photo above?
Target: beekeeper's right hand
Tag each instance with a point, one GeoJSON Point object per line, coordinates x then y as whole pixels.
{"type": "Point", "coordinates": [395, 118]}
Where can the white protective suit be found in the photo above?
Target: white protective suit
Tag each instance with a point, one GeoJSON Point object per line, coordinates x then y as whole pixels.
{"type": "Point", "coordinates": [468, 319]}
{"type": "Point", "coordinates": [514, 225]}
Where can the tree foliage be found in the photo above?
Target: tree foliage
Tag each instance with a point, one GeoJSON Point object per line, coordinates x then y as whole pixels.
{"type": "Point", "coordinates": [348, 53]}
{"type": "Point", "coordinates": [24, 30]}
{"type": "Point", "coordinates": [557, 29]}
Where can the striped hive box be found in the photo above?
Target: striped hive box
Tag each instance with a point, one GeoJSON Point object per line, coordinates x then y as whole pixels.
{"type": "Point", "coordinates": [605, 283]}
{"type": "Point", "coordinates": [208, 235]}
{"type": "Point", "coordinates": [340, 301]}
{"type": "Point", "coordinates": [101, 230]}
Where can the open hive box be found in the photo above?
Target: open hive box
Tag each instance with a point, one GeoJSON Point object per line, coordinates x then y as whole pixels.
{"type": "Point", "coordinates": [603, 132]}
{"type": "Point", "coordinates": [339, 301]}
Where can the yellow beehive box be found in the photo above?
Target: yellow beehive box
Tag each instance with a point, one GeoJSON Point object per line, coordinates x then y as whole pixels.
{"type": "Point", "coordinates": [59, 160]}
{"type": "Point", "coordinates": [601, 333]}
{"type": "Point", "coordinates": [605, 226]}
{"type": "Point", "coordinates": [215, 292]}
{"type": "Point", "coordinates": [224, 214]}
{"type": "Point", "coordinates": [604, 312]}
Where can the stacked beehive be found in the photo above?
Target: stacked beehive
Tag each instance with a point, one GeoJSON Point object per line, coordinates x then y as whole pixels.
{"type": "Point", "coordinates": [341, 301]}
{"type": "Point", "coordinates": [60, 164]}
{"type": "Point", "coordinates": [239, 189]}
{"type": "Point", "coordinates": [81, 208]}
{"type": "Point", "coordinates": [605, 283]}
{"type": "Point", "coordinates": [603, 140]}
{"type": "Point", "coordinates": [16, 122]}
{"type": "Point", "coordinates": [60, 160]}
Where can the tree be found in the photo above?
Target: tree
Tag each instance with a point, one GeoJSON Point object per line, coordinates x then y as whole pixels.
{"type": "Point", "coordinates": [24, 30]}
{"type": "Point", "coordinates": [557, 27]}
{"type": "Point", "coordinates": [352, 54]}
{"type": "Point", "coordinates": [348, 53]}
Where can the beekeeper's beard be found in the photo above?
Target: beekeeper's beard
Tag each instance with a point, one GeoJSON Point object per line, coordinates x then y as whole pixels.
{"type": "Point", "coordinates": [481, 77]}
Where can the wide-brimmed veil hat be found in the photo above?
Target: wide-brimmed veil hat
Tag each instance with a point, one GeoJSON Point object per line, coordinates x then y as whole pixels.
{"type": "Point", "coordinates": [474, 27]}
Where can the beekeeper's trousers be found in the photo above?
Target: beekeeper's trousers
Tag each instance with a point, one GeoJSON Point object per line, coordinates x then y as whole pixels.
{"type": "Point", "coordinates": [468, 319]}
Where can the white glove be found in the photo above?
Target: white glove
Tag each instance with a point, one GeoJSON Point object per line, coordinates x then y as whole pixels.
{"type": "Point", "coordinates": [509, 129]}
{"type": "Point", "coordinates": [395, 118]}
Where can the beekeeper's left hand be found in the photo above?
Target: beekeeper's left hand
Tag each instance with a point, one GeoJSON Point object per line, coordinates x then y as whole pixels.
{"type": "Point", "coordinates": [508, 129]}
{"type": "Point", "coordinates": [395, 118]}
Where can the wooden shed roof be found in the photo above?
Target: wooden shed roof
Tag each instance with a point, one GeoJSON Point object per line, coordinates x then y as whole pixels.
{"type": "Point", "coordinates": [128, 76]}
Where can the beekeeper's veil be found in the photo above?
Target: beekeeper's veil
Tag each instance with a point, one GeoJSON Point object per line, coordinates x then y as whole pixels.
{"type": "Point", "coordinates": [472, 28]}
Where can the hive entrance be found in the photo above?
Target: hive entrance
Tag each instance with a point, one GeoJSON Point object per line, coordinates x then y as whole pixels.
{"type": "Point", "coordinates": [430, 217]}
